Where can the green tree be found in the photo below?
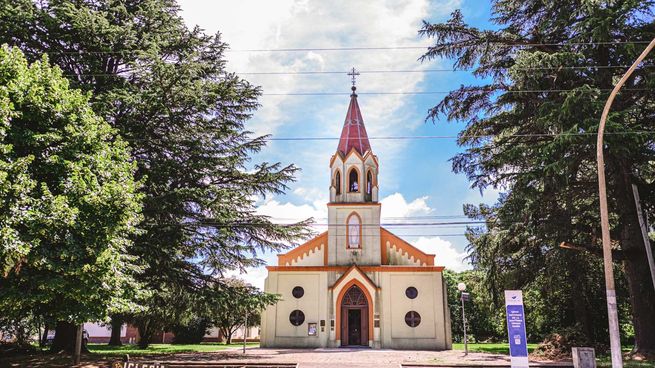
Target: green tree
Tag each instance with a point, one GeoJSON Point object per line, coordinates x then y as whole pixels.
{"type": "Point", "coordinates": [234, 300]}
{"type": "Point", "coordinates": [485, 321]}
{"type": "Point", "coordinates": [68, 199]}
{"type": "Point", "coordinates": [166, 90]}
{"type": "Point", "coordinates": [547, 69]}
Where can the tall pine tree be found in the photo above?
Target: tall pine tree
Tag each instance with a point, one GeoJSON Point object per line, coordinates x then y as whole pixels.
{"type": "Point", "coordinates": [547, 69]}
{"type": "Point", "coordinates": [166, 89]}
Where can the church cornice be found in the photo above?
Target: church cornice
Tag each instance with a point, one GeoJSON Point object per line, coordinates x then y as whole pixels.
{"type": "Point", "coordinates": [360, 204]}
{"type": "Point", "coordinates": [363, 268]}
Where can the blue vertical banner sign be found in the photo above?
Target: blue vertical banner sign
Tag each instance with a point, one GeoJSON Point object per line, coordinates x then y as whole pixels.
{"type": "Point", "coordinates": [518, 346]}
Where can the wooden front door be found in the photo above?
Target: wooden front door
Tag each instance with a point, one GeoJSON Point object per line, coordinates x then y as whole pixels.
{"type": "Point", "coordinates": [354, 318]}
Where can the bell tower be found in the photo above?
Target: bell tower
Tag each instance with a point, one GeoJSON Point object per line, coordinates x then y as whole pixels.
{"type": "Point", "coordinates": [354, 210]}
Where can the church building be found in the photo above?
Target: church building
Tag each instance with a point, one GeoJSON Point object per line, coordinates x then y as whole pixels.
{"type": "Point", "coordinates": [357, 284]}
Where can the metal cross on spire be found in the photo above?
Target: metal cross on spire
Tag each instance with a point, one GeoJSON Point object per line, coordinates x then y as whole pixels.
{"type": "Point", "coordinates": [353, 73]}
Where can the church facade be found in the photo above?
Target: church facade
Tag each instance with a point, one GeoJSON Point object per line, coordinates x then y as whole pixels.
{"type": "Point", "coordinates": [356, 284]}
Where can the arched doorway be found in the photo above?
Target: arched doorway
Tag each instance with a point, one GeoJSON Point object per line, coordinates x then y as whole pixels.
{"type": "Point", "coordinates": [354, 317]}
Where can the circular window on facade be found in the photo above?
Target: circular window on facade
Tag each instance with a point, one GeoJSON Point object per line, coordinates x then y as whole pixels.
{"type": "Point", "coordinates": [297, 317]}
{"type": "Point", "coordinates": [412, 319]}
{"type": "Point", "coordinates": [411, 292]}
{"type": "Point", "coordinates": [298, 292]}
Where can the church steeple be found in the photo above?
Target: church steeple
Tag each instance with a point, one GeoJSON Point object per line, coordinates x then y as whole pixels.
{"type": "Point", "coordinates": [353, 134]}
{"type": "Point", "coordinates": [354, 167]}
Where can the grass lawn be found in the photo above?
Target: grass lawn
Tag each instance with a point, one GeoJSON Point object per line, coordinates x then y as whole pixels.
{"type": "Point", "coordinates": [133, 350]}
{"type": "Point", "coordinates": [503, 348]}
{"type": "Point", "coordinates": [494, 348]}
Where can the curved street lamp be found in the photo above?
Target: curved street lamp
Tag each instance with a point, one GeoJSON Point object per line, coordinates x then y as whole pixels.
{"type": "Point", "coordinates": [612, 314]}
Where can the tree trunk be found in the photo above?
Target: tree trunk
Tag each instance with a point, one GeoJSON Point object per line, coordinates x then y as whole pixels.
{"type": "Point", "coordinates": [642, 294]}
{"type": "Point", "coordinates": [44, 337]}
{"type": "Point", "coordinates": [64, 340]}
{"type": "Point", "coordinates": [116, 324]}
{"type": "Point", "coordinates": [64, 337]}
{"type": "Point", "coordinates": [146, 331]}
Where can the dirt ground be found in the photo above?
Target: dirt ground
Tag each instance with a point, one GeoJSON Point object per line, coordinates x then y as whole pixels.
{"type": "Point", "coordinates": [306, 358]}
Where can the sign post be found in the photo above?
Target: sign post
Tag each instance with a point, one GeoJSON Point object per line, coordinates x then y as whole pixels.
{"type": "Point", "coordinates": [518, 346]}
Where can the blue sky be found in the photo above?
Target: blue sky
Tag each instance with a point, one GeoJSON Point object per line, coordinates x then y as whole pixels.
{"type": "Point", "coordinates": [416, 177]}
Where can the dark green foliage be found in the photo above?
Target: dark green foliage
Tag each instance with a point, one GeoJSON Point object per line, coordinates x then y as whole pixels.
{"type": "Point", "coordinates": [68, 199]}
{"type": "Point", "coordinates": [486, 321]}
{"type": "Point", "coordinates": [164, 87]}
{"type": "Point", "coordinates": [236, 300]}
{"type": "Point", "coordinates": [191, 332]}
{"type": "Point", "coordinates": [539, 148]}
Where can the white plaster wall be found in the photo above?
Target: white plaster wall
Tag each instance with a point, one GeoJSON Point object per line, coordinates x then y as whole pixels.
{"type": "Point", "coordinates": [277, 330]}
{"type": "Point", "coordinates": [431, 333]}
{"type": "Point", "coordinates": [96, 329]}
{"type": "Point", "coordinates": [314, 258]}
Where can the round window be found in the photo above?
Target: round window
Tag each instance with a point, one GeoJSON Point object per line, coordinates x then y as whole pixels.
{"type": "Point", "coordinates": [298, 292]}
{"type": "Point", "coordinates": [297, 317]}
{"type": "Point", "coordinates": [412, 319]}
{"type": "Point", "coordinates": [411, 292]}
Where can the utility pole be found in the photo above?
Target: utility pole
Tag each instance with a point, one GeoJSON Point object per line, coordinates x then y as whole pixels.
{"type": "Point", "coordinates": [644, 233]}
{"type": "Point", "coordinates": [245, 332]}
{"type": "Point", "coordinates": [461, 287]}
{"type": "Point", "coordinates": [612, 314]}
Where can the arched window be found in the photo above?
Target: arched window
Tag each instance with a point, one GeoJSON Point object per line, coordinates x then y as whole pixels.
{"type": "Point", "coordinates": [354, 230]}
{"type": "Point", "coordinates": [353, 180]}
{"type": "Point", "coordinates": [337, 182]}
{"type": "Point", "coordinates": [369, 182]}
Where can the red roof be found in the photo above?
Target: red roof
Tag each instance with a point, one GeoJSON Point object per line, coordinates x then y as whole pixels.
{"type": "Point", "coordinates": [353, 134]}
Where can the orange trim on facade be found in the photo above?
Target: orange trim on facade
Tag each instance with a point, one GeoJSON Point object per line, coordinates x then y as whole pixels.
{"type": "Point", "coordinates": [405, 247]}
{"type": "Point", "coordinates": [363, 158]}
{"type": "Point", "coordinates": [345, 274]}
{"type": "Point", "coordinates": [362, 204]}
{"type": "Point", "coordinates": [303, 250]}
{"type": "Point", "coordinates": [363, 268]}
{"type": "Point", "coordinates": [370, 307]}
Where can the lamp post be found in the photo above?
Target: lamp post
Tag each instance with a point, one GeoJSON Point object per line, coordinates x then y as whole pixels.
{"type": "Point", "coordinates": [612, 313]}
{"type": "Point", "coordinates": [461, 287]}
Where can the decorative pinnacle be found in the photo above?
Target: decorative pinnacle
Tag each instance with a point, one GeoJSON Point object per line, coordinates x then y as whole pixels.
{"type": "Point", "coordinates": [353, 73]}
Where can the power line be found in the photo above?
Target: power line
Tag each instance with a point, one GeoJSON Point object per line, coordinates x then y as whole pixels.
{"type": "Point", "coordinates": [432, 70]}
{"type": "Point", "coordinates": [363, 48]}
{"type": "Point", "coordinates": [438, 92]}
{"type": "Point", "coordinates": [428, 137]}
{"type": "Point", "coordinates": [256, 224]}
{"type": "Point", "coordinates": [427, 47]}
{"type": "Point", "coordinates": [388, 71]}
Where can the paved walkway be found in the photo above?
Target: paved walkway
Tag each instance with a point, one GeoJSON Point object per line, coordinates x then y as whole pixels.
{"type": "Point", "coordinates": [354, 358]}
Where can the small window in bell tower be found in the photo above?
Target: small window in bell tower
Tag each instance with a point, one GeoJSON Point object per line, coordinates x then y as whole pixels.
{"type": "Point", "coordinates": [337, 182]}
{"type": "Point", "coordinates": [369, 182]}
{"type": "Point", "coordinates": [353, 181]}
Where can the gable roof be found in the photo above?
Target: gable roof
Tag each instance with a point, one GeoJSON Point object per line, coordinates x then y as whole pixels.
{"type": "Point", "coordinates": [353, 268]}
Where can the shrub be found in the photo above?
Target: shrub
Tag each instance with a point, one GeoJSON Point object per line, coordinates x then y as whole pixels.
{"type": "Point", "coordinates": [191, 332]}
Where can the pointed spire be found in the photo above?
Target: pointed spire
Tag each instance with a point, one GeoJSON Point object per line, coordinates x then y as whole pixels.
{"type": "Point", "coordinates": [353, 134]}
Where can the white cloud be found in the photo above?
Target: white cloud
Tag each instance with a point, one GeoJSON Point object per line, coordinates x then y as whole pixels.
{"type": "Point", "coordinates": [253, 24]}
{"type": "Point", "coordinates": [395, 205]}
{"type": "Point", "coordinates": [254, 276]}
{"type": "Point", "coordinates": [287, 212]}
{"type": "Point", "coordinates": [445, 253]}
